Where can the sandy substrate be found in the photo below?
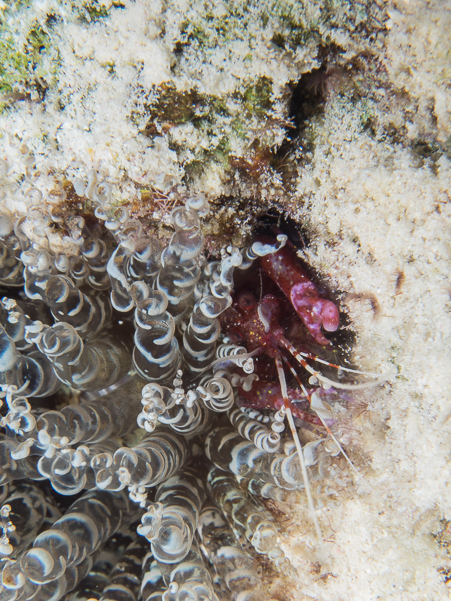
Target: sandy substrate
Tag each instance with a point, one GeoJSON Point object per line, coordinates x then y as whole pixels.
{"type": "Point", "coordinates": [381, 228]}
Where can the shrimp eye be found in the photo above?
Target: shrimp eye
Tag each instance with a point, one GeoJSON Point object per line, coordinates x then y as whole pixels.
{"type": "Point", "coordinates": [247, 302]}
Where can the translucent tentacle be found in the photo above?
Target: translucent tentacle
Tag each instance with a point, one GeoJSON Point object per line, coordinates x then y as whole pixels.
{"type": "Point", "coordinates": [199, 338]}
{"type": "Point", "coordinates": [236, 567]}
{"type": "Point", "coordinates": [248, 519]}
{"type": "Point", "coordinates": [261, 249]}
{"type": "Point", "coordinates": [32, 374]}
{"type": "Point", "coordinates": [229, 451]}
{"type": "Point", "coordinates": [12, 469]}
{"type": "Point", "coordinates": [187, 241]}
{"type": "Point", "coordinates": [145, 260]}
{"type": "Point", "coordinates": [177, 281]}
{"type": "Point", "coordinates": [132, 261]}
{"type": "Point", "coordinates": [263, 437]}
{"type": "Point", "coordinates": [217, 394]}
{"type": "Point", "coordinates": [221, 283]}
{"type": "Point", "coordinates": [245, 517]}
{"type": "Point", "coordinates": [152, 582]}
{"type": "Point", "coordinates": [180, 259]}
{"type": "Point", "coordinates": [89, 586]}
{"type": "Point", "coordinates": [87, 315]}
{"type": "Point", "coordinates": [170, 407]}
{"type": "Point", "coordinates": [13, 319]}
{"type": "Point", "coordinates": [25, 509]}
{"type": "Point", "coordinates": [170, 523]}
{"type": "Point", "coordinates": [155, 459]}
{"type": "Point", "coordinates": [156, 355]}
{"type": "Point", "coordinates": [91, 266]}
{"type": "Point", "coordinates": [123, 583]}
{"type": "Point", "coordinates": [15, 315]}
{"type": "Point", "coordinates": [112, 415]}
{"type": "Point", "coordinates": [87, 524]}
{"type": "Point", "coordinates": [121, 298]}
{"type": "Point", "coordinates": [11, 268]}
{"type": "Point", "coordinates": [266, 490]}
{"type": "Point", "coordinates": [53, 436]}
{"type": "Point", "coordinates": [96, 256]}
{"type": "Point", "coordinates": [39, 267]}
{"type": "Point", "coordinates": [236, 355]}
{"type": "Point", "coordinates": [186, 413]}
{"type": "Point", "coordinates": [91, 366]}
{"type": "Point", "coordinates": [190, 579]}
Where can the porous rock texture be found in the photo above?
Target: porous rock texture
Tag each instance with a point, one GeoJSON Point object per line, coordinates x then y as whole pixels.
{"type": "Point", "coordinates": [337, 115]}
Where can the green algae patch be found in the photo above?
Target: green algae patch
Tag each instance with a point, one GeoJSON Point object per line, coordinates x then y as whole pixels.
{"type": "Point", "coordinates": [212, 128]}
{"type": "Point", "coordinates": [29, 53]}
{"type": "Point", "coordinates": [94, 10]}
{"type": "Point", "coordinates": [13, 63]}
{"type": "Point", "coordinates": [174, 107]}
{"type": "Point", "coordinates": [28, 58]}
{"type": "Point", "coordinates": [257, 97]}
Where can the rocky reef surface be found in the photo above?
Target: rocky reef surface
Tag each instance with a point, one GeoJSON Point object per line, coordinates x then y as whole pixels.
{"type": "Point", "coordinates": [328, 119]}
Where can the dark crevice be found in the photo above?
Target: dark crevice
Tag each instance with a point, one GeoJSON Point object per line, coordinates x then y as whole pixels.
{"type": "Point", "coordinates": [273, 223]}
{"type": "Point", "coordinates": [310, 93]}
{"type": "Point", "coordinates": [308, 98]}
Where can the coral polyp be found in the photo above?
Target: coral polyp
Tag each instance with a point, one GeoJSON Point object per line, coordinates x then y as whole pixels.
{"type": "Point", "coordinates": [123, 389]}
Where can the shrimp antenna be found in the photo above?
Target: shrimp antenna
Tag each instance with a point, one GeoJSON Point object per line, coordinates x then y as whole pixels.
{"type": "Point", "coordinates": [299, 357]}
{"type": "Point", "coordinates": [319, 408]}
{"type": "Point", "coordinates": [297, 442]}
{"type": "Point", "coordinates": [261, 285]}
{"type": "Point", "coordinates": [341, 367]}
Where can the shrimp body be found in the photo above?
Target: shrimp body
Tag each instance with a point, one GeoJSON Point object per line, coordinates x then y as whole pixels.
{"type": "Point", "coordinates": [257, 325]}
{"type": "Point", "coordinates": [284, 268]}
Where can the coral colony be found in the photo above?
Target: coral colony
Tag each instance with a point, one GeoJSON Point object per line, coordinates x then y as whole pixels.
{"type": "Point", "coordinates": [134, 377]}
